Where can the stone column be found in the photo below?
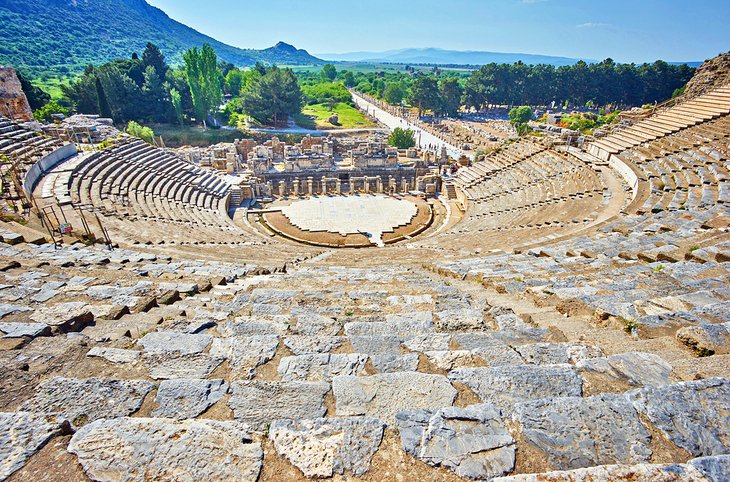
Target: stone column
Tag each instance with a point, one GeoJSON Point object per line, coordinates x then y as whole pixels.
{"type": "Point", "coordinates": [391, 184]}
{"type": "Point", "coordinates": [366, 180]}
{"type": "Point", "coordinates": [338, 186]}
{"type": "Point", "coordinates": [324, 185]}
{"type": "Point", "coordinates": [282, 189]}
{"type": "Point", "coordinates": [405, 185]}
{"type": "Point", "coordinates": [296, 187]}
{"type": "Point", "coordinates": [270, 188]}
{"type": "Point", "coordinates": [310, 186]}
{"type": "Point", "coordinates": [379, 184]}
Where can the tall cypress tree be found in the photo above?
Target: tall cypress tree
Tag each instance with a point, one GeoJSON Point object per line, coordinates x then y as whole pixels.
{"type": "Point", "coordinates": [104, 109]}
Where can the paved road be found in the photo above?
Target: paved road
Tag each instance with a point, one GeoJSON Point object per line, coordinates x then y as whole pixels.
{"type": "Point", "coordinates": [423, 138]}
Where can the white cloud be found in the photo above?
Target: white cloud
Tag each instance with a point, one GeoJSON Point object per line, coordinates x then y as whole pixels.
{"type": "Point", "coordinates": [593, 25]}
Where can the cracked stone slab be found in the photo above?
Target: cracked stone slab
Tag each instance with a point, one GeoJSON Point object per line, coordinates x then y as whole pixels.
{"type": "Point", "coordinates": [159, 342]}
{"type": "Point", "coordinates": [557, 353]}
{"type": "Point", "coordinates": [711, 338]}
{"type": "Point", "coordinates": [259, 402]}
{"type": "Point", "coordinates": [450, 359]}
{"type": "Point", "coordinates": [694, 415]}
{"type": "Point", "coordinates": [246, 326]}
{"type": "Point", "coordinates": [304, 345]}
{"type": "Point", "coordinates": [471, 441]}
{"type": "Point", "coordinates": [395, 363]}
{"type": "Point", "coordinates": [460, 319]}
{"type": "Point", "coordinates": [170, 365]}
{"type": "Point", "coordinates": [85, 399]}
{"type": "Point", "coordinates": [10, 309]}
{"type": "Point", "coordinates": [616, 473]}
{"type": "Point", "coordinates": [25, 330]}
{"type": "Point", "coordinates": [376, 344]}
{"type": "Point", "coordinates": [324, 447]}
{"type": "Point", "coordinates": [316, 325]}
{"type": "Point", "coordinates": [634, 368]}
{"type": "Point", "coordinates": [494, 352]}
{"type": "Point", "coordinates": [115, 355]}
{"type": "Point", "coordinates": [386, 394]}
{"type": "Point", "coordinates": [245, 352]}
{"type": "Point", "coordinates": [65, 317]}
{"type": "Point", "coordinates": [576, 432]}
{"type": "Point", "coordinates": [716, 469]}
{"type": "Point", "coordinates": [428, 342]}
{"type": "Point", "coordinates": [22, 434]}
{"type": "Point", "coordinates": [504, 386]}
{"type": "Point", "coordinates": [321, 367]}
{"type": "Point", "coordinates": [187, 398]}
{"type": "Point", "coordinates": [143, 449]}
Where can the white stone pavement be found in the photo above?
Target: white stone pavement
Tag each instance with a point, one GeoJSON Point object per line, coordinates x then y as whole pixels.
{"type": "Point", "coordinates": [423, 138]}
{"type": "Point", "coordinates": [373, 215]}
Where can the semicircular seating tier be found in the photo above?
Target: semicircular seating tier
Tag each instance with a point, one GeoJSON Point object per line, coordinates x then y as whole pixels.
{"type": "Point", "coordinates": [524, 189]}
{"type": "Point", "coordinates": [133, 182]}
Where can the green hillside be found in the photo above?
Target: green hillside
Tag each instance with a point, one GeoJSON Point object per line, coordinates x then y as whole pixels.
{"type": "Point", "coordinates": [57, 37]}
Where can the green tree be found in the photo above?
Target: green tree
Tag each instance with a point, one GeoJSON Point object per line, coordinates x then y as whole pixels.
{"type": "Point", "coordinates": [103, 104]}
{"type": "Point", "coordinates": [348, 78]}
{"type": "Point", "coordinates": [394, 93]}
{"type": "Point", "coordinates": [329, 72]}
{"type": "Point", "coordinates": [402, 138]}
{"type": "Point", "coordinates": [176, 100]}
{"type": "Point", "coordinates": [144, 133]}
{"type": "Point", "coordinates": [451, 93]}
{"type": "Point", "coordinates": [519, 117]}
{"type": "Point", "coordinates": [204, 80]}
{"type": "Point", "coordinates": [234, 82]}
{"type": "Point", "coordinates": [152, 57]}
{"type": "Point", "coordinates": [37, 98]}
{"type": "Point", "coordinates": [45, 113]}
{"type": "Point", "coordinates": [155, 94]}
{"type": "Point", "coordinates": [425, 94]}
{"type": "Point", "coordinates": [273, 97]}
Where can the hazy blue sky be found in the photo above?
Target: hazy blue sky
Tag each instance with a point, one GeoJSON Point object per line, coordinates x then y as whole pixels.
{"type": "Point", "coordinates": [626, 30]}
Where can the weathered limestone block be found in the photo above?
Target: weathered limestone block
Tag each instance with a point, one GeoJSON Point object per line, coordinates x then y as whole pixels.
{"type": "Point", "coordinates": [706, 339]}
{"type": "Point", "coordinates": [304, 345]}
{"type": "Point", "coordinates": [187, 398]}
{"type": "Point", "coordinates": [321, 367]}
{"type": "Point", "coordinates": [86, 399]}
{"type": "Point", "coordinates": [245, 352]}
{"type": "Point", "coordinates": [65, 317]}
{"type": "Point", "coordinates": [460, 319]}
{"type": "Point", "coordinates": [143, 449]}
{"type": "Point", "coordinates": [245, 326]}
{"type": "Point", "coordinates": [160, 342]}
{"type": "Point", "coordinates": [324, 447]}
{"type": "Point", "coordinates": [506, 385]}
{"type": "Point", "coordinates": [637, 369]}
{"type": "Point", "coordinates": [386, 394]}
{"type": "Point", "coordinates": [115, 355]}
{"type": "Point", "coordinates": [576, 432]}
{"type": "Point", "coordinates": [494, 352]}
{"type": "Point", "coordinates": [615, 473]}
{"type": "Point", "coordinates": [428, 342]}
{"type": "Point", "coordinates": [716, 469]}
{"type": "Point", "coordinates": [694, 415]}
{"type": "Point", "coordinates": [24, 330]}
{"type": "Point", "coordinates": [21, 435]}
{"type": "Point", "coordinates": [376, 344]}
{"type": "Point", "coordinates": [471, 441]}
{"type": "Point", "coordinates": [258, 402]}
{"type": "Point", "coordinates": [316, 325]}
{"type": "Point", "coordinates": [557, 353]}
{"type": "Point", "coordinates": [451, 359]}
{"type": "Point", "coordinates": [171, 365]}
{"type": "Point", "coordinates": [395, 363]}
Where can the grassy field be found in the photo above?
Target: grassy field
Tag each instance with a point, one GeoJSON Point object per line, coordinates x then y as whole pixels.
{"type": "Point", "coordinates": [349, 117]}
{"type": "Point", "coordinates": [176, 136]}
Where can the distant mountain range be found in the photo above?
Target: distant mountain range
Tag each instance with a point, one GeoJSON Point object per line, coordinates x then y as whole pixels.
{"type": "Point", "coordinates": [436, 56]}
{"type": "Point", "coordinates": [59, 36]}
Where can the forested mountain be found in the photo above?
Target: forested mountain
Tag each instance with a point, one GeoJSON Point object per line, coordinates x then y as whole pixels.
{"type": "Point", "coordinates": [62, 36]}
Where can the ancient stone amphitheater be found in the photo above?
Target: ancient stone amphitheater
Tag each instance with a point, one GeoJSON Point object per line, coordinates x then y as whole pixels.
{"type": "Point", "coordinates": [565, 318]}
